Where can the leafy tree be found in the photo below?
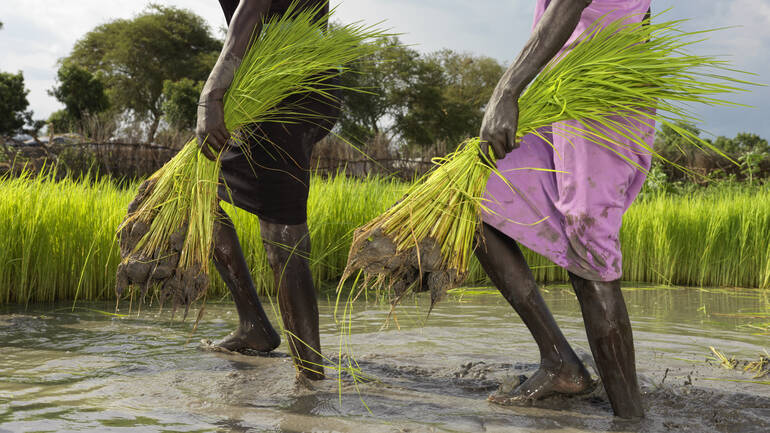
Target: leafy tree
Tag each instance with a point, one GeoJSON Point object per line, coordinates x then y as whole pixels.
{"type": "Point", "coordinates": [748, 154]}
{"type": "Point", "coordinates": [80, 91]}
{"type": "Point", "coordinates": [743, 143]}
{"type": "Point", "coordinates": [421, 99]}
{"type": "Point", "coordinates": [671, 145]}
{"type": "Point", "coordinates": [180, 102]}
{"type": "Point", "coordinates": [13, 103]}
{"type": "Point", "coordinates": [366, 114]}
{"type": "Point", "coordinates": [446, 97]}
{"type": "Point", "coordinates": [60, 121]}
{"type": "Point", "coordinates": [136, 56]}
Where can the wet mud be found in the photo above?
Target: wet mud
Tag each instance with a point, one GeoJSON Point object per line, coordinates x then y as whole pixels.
{"type": "Point", "coordinates": [415, 270]}
{"type": "Point", "coordinates": [138, 272]}
{"type": "Point", "coordinates": [85, 370]}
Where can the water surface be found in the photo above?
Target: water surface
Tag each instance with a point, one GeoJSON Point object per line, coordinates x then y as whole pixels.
{"type": "Point", "coordinates": [84, 370]}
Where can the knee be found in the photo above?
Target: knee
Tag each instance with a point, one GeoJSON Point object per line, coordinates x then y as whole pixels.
{"type": "Point", "coordinates": [284, 243]}
{"type": "Point", "coordinates": [600, 299]}
{"type": "Point", "coordinates": [277, 255]}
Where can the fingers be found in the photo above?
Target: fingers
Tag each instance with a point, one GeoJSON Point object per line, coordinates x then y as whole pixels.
{"type": "Point", "coordinates": [510, 143]}
{"type": "Point", "coordinates": [502, 143]}
{"type": "Point", "coordinates": [220, 139]}
{"type": "Point", "coordinates": [496, 142]}
{"type": "Point", "coordinates": [484, 155]}
{"type": "Point", "coordinates": [213, 144]}
{"type": "Point", "coordinates": [499, 143]}
{"type": "Point", "coordinates": [205, 149]}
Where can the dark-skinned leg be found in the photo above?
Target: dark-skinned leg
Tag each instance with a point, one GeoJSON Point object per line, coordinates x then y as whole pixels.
{"type": "Point", "coordinates": [254, 330]}
{"type": "Point", "coordinates": [288, 250]}
{"type": "Point", "coordinates": [561, 371]}
{"type": "Point", "coordinates": [612, 343]}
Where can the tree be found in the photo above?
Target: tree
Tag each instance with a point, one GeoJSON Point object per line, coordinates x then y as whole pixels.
{"type": "Point", "coordinates": [60, 121]}
{"type": "Point", "coordinates": [137, 56]}
{"type": "Point", "coordinates": [452, 91]}
{"type": "Point", "coordinates": [421, 99]}
{"type": "Point", "coordinates": [13, 103]}
{"type": "Point", "coordinates": [745, 142]}
{"type": "Point", "coordinates": [420, 113]}
{"type": "Point", "coordinates": [180, 102]}
{"type": "Point", "coordinates": [671, 145]}
{"type": "Point", "coordinates": [365, 113]}
{"type": "Point", "coordinates": [446, 97]}
{"type": "Point", "coordinates": [80, 91]}
{"type": "Point", "coordinates": [746, 153]}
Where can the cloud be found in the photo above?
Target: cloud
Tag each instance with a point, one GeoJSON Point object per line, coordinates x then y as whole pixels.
{"type": "Point", "coordinates": [491, 27]}
{"type": "Point", "coordinates": [39, 32]}
{"type": "Point", "coordinates": [744, 43]}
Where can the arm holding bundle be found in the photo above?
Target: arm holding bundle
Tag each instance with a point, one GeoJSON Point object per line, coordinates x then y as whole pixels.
{"type": "Point", "coordinates": [498, 128]}
{"type": "Point", "coordinates": [211, 132]}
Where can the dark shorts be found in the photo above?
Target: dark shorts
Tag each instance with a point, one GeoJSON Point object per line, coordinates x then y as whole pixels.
{"type": "Point", "coordinates": [269, 174]}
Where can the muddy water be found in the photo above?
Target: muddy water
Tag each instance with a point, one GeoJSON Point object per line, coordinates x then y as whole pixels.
{"type": "Point", "coordinates": [82, 370]}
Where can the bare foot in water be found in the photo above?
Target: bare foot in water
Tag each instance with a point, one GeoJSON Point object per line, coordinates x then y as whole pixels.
{"type": "Point", "coordinates": [546, 383]}
{"type": "Point", "coordinates": [247, 341]}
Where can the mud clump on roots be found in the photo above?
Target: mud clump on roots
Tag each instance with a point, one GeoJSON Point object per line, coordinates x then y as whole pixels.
{"type": "Point", "coordinates": [416, 269]}
{"type": "Point", "coordinates": [161, 270]}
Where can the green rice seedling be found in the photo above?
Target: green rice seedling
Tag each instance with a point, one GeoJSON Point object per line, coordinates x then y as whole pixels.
{"type": "Point", "coordinates": [57, 237]}
{"type": "Point", "coordinates": [167, 236]}
{"type": "Point", "coordinates": [448, 201]}
{"type": "Point", "coordinates": [716, 237]}
{"type": "Point", "coordinates": [760, 368]}
{"type": "Point", "coordinates": [624, 68]}
{"type": "Point", "coordinates": [727, 363]}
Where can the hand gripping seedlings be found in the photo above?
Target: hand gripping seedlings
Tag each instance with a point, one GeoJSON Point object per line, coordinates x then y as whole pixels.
{"type": "Point", "coordinates": [166, 237]}
{"type": "Point", "coordinates": [425, 241]}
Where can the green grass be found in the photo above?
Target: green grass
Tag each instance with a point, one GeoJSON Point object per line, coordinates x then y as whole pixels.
{"type": "Point", "coordinates": [57, 237]}
{"type": "Point", "coordinates": [720, 237]}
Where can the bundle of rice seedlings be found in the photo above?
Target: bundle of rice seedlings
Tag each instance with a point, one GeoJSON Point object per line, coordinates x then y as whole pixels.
{"type": "Point", "coordinates": [166, 237]}
{"type": "Point", "coordinates": [632, 69]}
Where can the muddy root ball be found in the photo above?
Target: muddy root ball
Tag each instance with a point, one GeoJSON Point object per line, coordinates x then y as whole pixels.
{"type": "Point", "coordinates": [176, 240]}
{"type": "Point", "coordinates": [373, 252]}
{"type": "Point", "coordinates": [144, 190]}
{"type": "Point", "coordinates": [416, 269]}
{"type": "Point", "coordinates": [137, 270]}
{"type": "Point", "coordinates": [122, 283]}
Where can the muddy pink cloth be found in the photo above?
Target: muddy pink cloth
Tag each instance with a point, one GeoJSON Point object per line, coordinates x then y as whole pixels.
{"type": "Point", "coordinates": [572, 216]}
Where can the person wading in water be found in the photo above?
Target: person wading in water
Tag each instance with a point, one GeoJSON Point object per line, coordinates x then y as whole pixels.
{"type": "Point", "coordinates": [267, 173]}
{"type": "Point", "coordinates": [579, 202]}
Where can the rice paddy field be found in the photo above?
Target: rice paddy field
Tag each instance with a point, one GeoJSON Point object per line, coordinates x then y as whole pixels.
{"type": "Point", "coordinates": [57, 237]}
{"type": "Point", "coordinates": [83, 366]}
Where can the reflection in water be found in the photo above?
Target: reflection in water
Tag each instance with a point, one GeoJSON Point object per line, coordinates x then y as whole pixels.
{"type": "Point", "coordinates": [84, 370]}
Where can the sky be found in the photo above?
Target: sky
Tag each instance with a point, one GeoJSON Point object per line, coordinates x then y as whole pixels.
{"type": "Point", "coordinates": [37, 33]}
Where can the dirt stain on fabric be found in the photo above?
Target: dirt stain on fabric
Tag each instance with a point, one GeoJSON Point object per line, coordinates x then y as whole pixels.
{"type": "Point", "coordinates": [548, 233]}
{"type": "Point", "coordinates": [583, 259]}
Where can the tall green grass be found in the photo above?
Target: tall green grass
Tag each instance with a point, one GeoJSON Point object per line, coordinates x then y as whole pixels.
{"type": "Point", "coordinates": [57, 237]}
